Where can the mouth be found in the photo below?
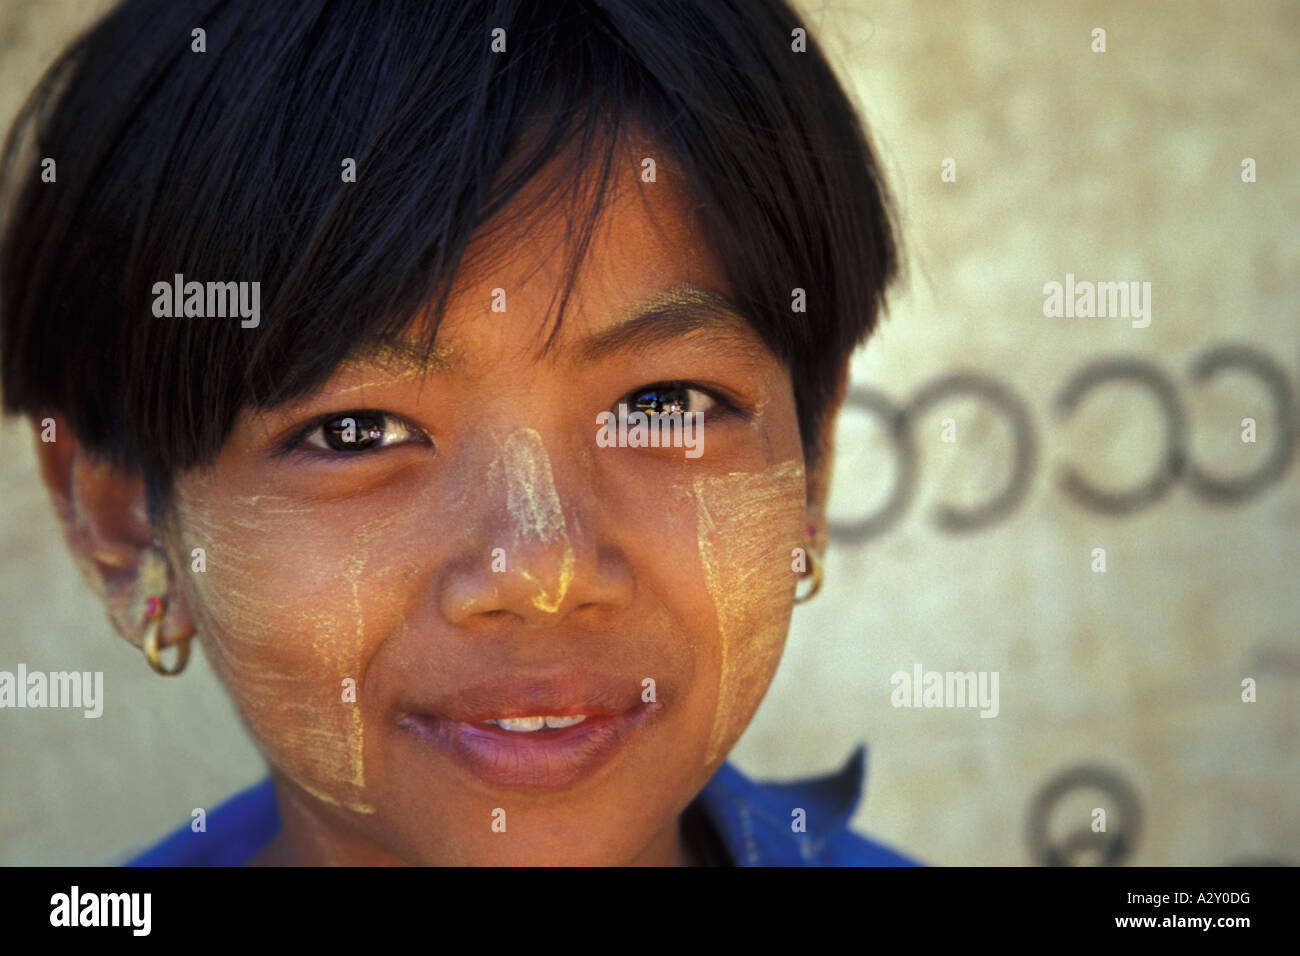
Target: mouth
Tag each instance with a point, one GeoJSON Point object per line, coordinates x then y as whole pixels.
{"type": "Point", "coordinates": [532, 733]}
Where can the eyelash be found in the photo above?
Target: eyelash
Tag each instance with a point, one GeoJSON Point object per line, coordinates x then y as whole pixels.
{"type": "Point", "coordinates": [299, 443]}
{"type": "Point", "coordinates": [724, 406]}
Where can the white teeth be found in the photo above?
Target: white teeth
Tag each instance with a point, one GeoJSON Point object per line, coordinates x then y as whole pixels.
{"type": "Point", "coordinates": [522, 724]}
{"type": "Point", "coordinates": [565, 721]}
{"type": "Point", "coordinates": [525, 725]}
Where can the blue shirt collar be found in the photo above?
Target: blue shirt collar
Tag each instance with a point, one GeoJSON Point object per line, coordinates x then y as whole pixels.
{"type": "Point", "coordinates": [783, 823]}
{"type": "Point", "coordinates": [801, 823]}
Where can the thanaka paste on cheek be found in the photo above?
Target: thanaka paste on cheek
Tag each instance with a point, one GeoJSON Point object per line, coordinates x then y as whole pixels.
{"type": "Point", "coordinates": [534, 509]}
{"type": "Point", "coordinates": [747, 525]}
{"type": "Point", "coordinates": [283, 643]}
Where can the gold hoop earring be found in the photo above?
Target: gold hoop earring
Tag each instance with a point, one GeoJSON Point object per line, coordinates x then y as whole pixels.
{"type": "Point", "coordinates": [815, 560]}
{"type": "Point", "coordinates": [154, 614]}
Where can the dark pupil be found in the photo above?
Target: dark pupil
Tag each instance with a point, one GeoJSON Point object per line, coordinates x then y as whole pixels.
{"type": "Point", "coordinates": [660, 401]}
{"type": "Point", "coordinates": [365, 431]}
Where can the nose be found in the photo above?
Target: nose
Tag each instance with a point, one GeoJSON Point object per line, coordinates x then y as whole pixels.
{"type": "Point", "coordinates": [535, 555]}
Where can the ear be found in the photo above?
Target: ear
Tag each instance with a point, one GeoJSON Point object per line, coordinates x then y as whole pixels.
{"type": "Point", "coordinates": [104, 514]}
{"type": "Point", "coordinates": [819, 476]}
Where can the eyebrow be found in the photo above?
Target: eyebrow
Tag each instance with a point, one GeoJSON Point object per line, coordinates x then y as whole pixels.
{"type": "Point", "coordinates": [398, 356]}
{"type": "Point", "coordinates": [681, 311]}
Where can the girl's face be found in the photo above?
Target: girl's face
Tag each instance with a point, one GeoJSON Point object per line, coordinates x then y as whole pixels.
{"type": "Point", "coordinates": [468, 551]}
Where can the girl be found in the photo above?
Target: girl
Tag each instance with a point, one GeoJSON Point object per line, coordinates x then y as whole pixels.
{"type": "Point", "coordinates": [325, 302]}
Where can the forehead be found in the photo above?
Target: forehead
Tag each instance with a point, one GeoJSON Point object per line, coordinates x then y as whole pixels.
{"type": "Point", "coordinates": [645, 274]}
{"type": "Point", "coordinates": [646, 235]}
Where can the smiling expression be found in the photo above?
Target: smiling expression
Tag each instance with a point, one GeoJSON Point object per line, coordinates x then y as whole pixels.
{"type": "Point", "coordinates": [476, 556]}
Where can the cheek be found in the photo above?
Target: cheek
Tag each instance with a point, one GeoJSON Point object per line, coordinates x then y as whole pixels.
{"type": "Point", "coordinates": [747, 526]}
{"type": "Point", "coordinates": [280, 610]}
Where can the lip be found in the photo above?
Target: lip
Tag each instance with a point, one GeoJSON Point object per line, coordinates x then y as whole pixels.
{"type": "Point", "coordinates": [550, 759]}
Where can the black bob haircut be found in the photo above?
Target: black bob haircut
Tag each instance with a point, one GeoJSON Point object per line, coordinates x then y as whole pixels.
{"type": "Point", "coordinates": [225, 165]}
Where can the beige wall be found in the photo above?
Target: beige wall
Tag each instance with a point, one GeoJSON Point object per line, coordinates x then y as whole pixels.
{"type": "Point", "coordinates": [1123, 165]}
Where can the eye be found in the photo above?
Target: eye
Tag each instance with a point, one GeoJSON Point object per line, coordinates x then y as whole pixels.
{"type": "Point", "coordinates": [667, 398]}
{"type": "Point", "coordinates": [359, 431]}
